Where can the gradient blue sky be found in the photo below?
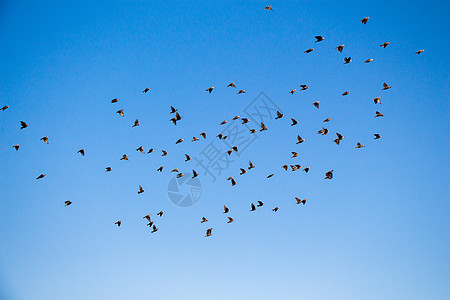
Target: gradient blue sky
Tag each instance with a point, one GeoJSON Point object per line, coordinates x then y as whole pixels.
{"type": "Point", "coordinates": [378, 230]}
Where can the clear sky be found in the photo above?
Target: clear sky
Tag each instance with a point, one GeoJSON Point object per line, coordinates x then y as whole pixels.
{"type": "Point", "coordinates": [380, 229]}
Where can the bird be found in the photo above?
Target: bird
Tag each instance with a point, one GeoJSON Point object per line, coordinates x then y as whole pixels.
{"type": "Point", "coordinates": [173, 110]}
{"type": "Point", "coordinates": [118, 223]}
{"type": "Point", "coordinates": [23, 125]}
{"type": "Point", "coordinates": [67, 203]}
{"type": "Point", "coordinates": [377, 100]}
{"type": "Point", "coordinates": [224, 122]}
{"type": "Point", "coordinates": [235, 118]}
{"type": "Point", "coordinates": [194, 139]}
{"type": "Point", "coordinates": [115, 100]}
{"type": "Point", "coordinates": [208, 232]}
{"type": "Point", "coordinates": [150, 150]}
{"type": "Point", "coordinates": [306, 169]}
{"type": "Point", "coordinates": [147, 217]}
{"type": "Point", "coordinates": [377, 136]}
{"type": "Point", "coordinates": [120, 112]}
{"type": "Point", "coordinates": [420, 51]}
{"type": "Point", "coordinates": [176, 118]}
{"type": "Point", "coordinates": [299, 140]}
{"type": "Point", "coordinates": [368, 60]}
{"type": "Point", "coordinates": [141, 190]}
{"type": "Point", "coordinates": [241, 92]}
{"type": "Point", "coordinates": [4, 108]}
{"type": "Point", "coordinates": [292, 91]}
{"type": "Point", "coordinates": [188, 158]}
{"type": "Point", "coordinates": [250, 165]}
{"type": "Point", "coordinates": [232, 84]}
{"type": "Point", "coordinates": [340, 137]}
{"type": "Point", "coordinates": [16, 147]}
{"type": "Point", "coordinates": [179, 141]}
{"type": "Point", "coordinates": [174, 170]}
{"type": "Point", "coordinates": [300, 201]}
{"type": "Point", "coordinates": [243, 171]}
{"type": "Point", "coordinates": [150, 223]}
{"type": "Point", "coordinates": [136, 123]}
{"type": "Point", "coordinates": [385, 86]}
{"type": "Point", "coordinates": [253, 207]}
{"type": "Point", "coordinates": [146, 90]}
{"type": "Point", "coordinates": [345, 93]}
{"type": "Point", "coordinates": [268, 7]}
{"type": "Point", "coordinates": [141, 149]}
{"type": "Point", "coordinates": [233, 182]}
{"type": "Point", "coordinates": [364, 20]}
{"type": "Point", "coordinates": [160, 213]}
{"type": "Point", "coordinates": [309, 50]}
{"type": "Point", "coordinates": [294, 122]}
{"type": "Point", "coordinates": [340, 48]}
{"type": "Point", "coordinates": [279, 115]}
{"type": "Point", "coordinates": [329, 174]}
{"type": "Point", "coordinates": [263, 127]}
{"type": "Point", "coordinates": [179, 175]}
{"type": "Point", "coordinates": [294, 154]}
{"type": "Point", "coordinates": [210, 89]}
{"type": "Point", "coordinates": [316, 104]}
{"type": "Point", "coordinates": [155, 229]}
{"type": "Point", "coordinates": [81, 151]}
{"type": "Point", "coordinates": [108, 169]}
{"type": "Point", "coordinates": [378, 114]}
{"type": "Point", "coordinates": [44, 139]}
{"type": "Point", "coordinates": [204, 220]}
{"type": "Point", "coordinates": [318, 38]}
{"type": "Point", "coordinates": [160, 169]}
{"type": "Point", "coordinates": [229, 152]}
{"type": "Point", "coordinates": [41, 176]}
{"type": "Point", "coordinates": [194, 174]}
{"type": "Point", "coordinates": [275, 209]}
{"type": "Point", "coordinates": [260, 203]}
{"type": "Point", "coordinates": [245, 120]}
{"type": "Point", "coordinates": [327, 120]}
{"type": "Point", "coordinates": [124, 157]}
{"type": "Point", "coordinates": [304, 87]}
{"type": "Point", "coordinates": [226, 209]}
{"type": "Point", "coordinates": [164, 152]}
{"type": "Point", "coordinates": [230, 220]}
{"type": "Point", "coordinates": [203, 134]}
{"type": "Point", "coordinates": [269, 176]}
{"type": "Point", "coordinates": [220, 136]}
{"type": "Point", "coordinates": [347, 60]}
{"type": "Point", "coordinates": [385, 44]}
{"type": "Point", "coordinates": [253, 130]}
{"type": "Point", "coordinates": [359, 145]}
{"type": "Point", "coordinates": [285, 167]}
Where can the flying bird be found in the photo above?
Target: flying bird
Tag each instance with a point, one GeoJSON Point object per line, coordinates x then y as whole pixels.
{"type": "Point", "coordinates": [210, 89]}
{"type": "Point", "coordinates": [364, 20]}
{"type": "Point", "coordinates": [108, 169]}
{"type": "Point", "coordinates": [385, 44]}
{"type": "Point", "coordinates": [241, 92]}
{"type": "Point", "coordinates": [23, 125]}
{"type": "Point", "coordinates": [385, 86]}
{"type": "Point", "coordinates": [124, 157]}
{"type": "Point", "coordinates": [299, 140]}
{"type": "Point", "coordinates": [194, 174]}
{"type": "Point", "coordinates": [203, 134]}
{"type": "Point", "coordinates": [243, 171]}
{"type": "Point", "coordinates": [208, 232]}
{"type": "Point", "coordinates": [179, 141]}
{"type": "Point", "coordinates": [41, 176]}
{"type": "Point", "coordinates": [269, 176]}
{"type": "Point", "coordinates": [115, 100]}
{"type": "Point", "coordinates": [275, 209]}
{"type": "Point", "coordinates": [377, 136]}
{"type": "Point", "coordinates": [263, 127]}
{"type": "Point", "coordinates": [147, 217]}
{"type": "Point", "coordinates": [420, 51]}
{"type": "Point", "coordinates": [294, 154]}
{"type": "Point", "coordinates": [377, 100]}
{"type": "Point", "coordinates": [155, 229]}
{"type": "Point", "coordinates": [204, 220]}
{"type": "Point", "coordinates": [316, 104]}
{"type": "Point", "coordinates": [141, 190]}
{"type": "Point", "coordinates": [16, 147]}
{"type": "Point", "coordinates": [306, 169]}
{"type": "Point", "coordinates": [294, 122]}
{"type": "Point", "coordinates": [44, 139]}
{"type": "Point", "coordinates": [173, 110]}
{"type": "Point", "coordinates": [118, 223]}
{"type": "Point", "coordinates": [232, 84]}
{"type": "Point", "coordinates": [81, 151]}
{"type": "Point", "coordinates": [253, 207]}
{"type": "Point", "coordinates": [268, 7]}
{"type": "Point", "coordinates": [226, 209]}
{"type": "Point", "coordinates": [160, 213]}
{"type": "Point", "coordinates": [329, 174]}
{"type": "Point", "coordinates": [67, 203]}
{"type": "Point", "coordinates": [250, 165]}
{"type": "Point", "coordinates": [4, 108]}
{"type": "Point", "coordinates": [345, 93]}
{"type": "Point", "coordinates": [136, 123]}
{"type": "Point", "coordinates": [141, 149]}
{"type": "Point", "coordinates": [378, 114]}
{"type": "Point", "coordinates": [245, 120]}
{"type": "Point", "coordinates": [347, 60]}
{"type": "Point", "coordinates": [188, 158]}
{"type": "Point", "coordinates": [359, 145]}
{"type": "Point", "coordinates": [327, 120]}
{"type": "Point", "coordinates": [164, 152]}
{"type": "Point", "coordinates": [279, 115]}
{"type": "Point", "coordinates": [340, 48]}
{"type": "Point", "coordinates": [120, 112]}
{"type": "Point", "coordinates": [368, 60]}
{"type": "Point", "coordinates": [146, 90]}
{"type": "Point", "coordinates": [309, 50]}
{"type": "Point", "coordinates": [150, 150]}
{"type": "Point", "coordinates": [260, 203]}
{"type": "Point", "coordinates": [230, 220]}
{"type": "Point", "coordinates": [304, 87]}
{"type": "Point", "coordinates": [160, 169]}
{"type": "Point", "coordinates": [292, 91]}
{"type": "Point", "coordinates": [318, 38]}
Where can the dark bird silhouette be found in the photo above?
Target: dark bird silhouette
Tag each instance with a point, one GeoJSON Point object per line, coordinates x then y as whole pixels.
{"type": "Point", "coordinates": [232, 84]}
{"type": "Point", "coordinates": [4, 108]}
{"type": "Point", "coordinates": [364, 20]}
{"type": "Point", "coordinates": [318, 38]}
{"type": "Point", "coordinates": [250, 165]}
{"type": "Point", "coordinates": [164, 152]}
{"type": "Point", "coordinates": [224, 122]}
{"type": "Point", "coordinates": [155, 229]}
{"type": "Point", "coordinates": [108, 169]}
{"type": "Point", "coordinates": [316, 104]}
{"type": "Point", "coordinates": [345, 93]}
{"type": "Point", "coordinates": [226, 209]}
{"type": "Point", "coordinates": [141, 190]}
{"type": "Point", "coordinates": [260, 203]}
{"type": "Point", "coordinates": [176, 118]}
{"type": "Point", "coordinates": [81, 151]}
{"type": "Point", "coordinates": [327, 120]}
{"type": "Point", "coordinates": [294, 122]}
{"type": "Point", "coordinates": [359, 145]}
{"type": "Point", "coordinates": [115, 100]}
{"type": "Point", "coordinates": [245, 120]}
{"type": "Point", "coordinates": [204, 220]}
{"type": "Point", "coordinates": [269, 176]}
{"type": "Point", "coordinates": [173, 110]}
{"type": "Point", "coordinates": [294, 154]}
{"type": "Point", "coordinates": [340, 48]}
{"type": "Point", "coordinates": [136, 123]}
{"type": "Point", "coordinates": [16, 147]}
{"type": "Point", "coordinates": [44, 139]}
{"type": "Point", "coordinates": [146, 90]}
{"type": "Point", "coordinates": [385, 87]}
{"type": "Point", "coordinates": [347, 60]}
{"type": "Point", "coordinates": [188, 158]}
{"type": "Point", "coordinates": [268, 7]}
{"type": "Point", "coordinates": [306, 169]}
{"type": "Point", "coordinates": [299, 140]}
{"type": "Point", "coordinates": [208, 232]}
{"type": "Point", "coordinates": [329, 174]}
{"type": "Point", "coordinates": [230, 220]}
{"type": "Point", "coordinates": [385, 44]}
{"type": "Point", "coordinates": [377, 136]}
{"type": "Point", "coordinates": [263, 127]}
{"type": "Point", "coordinates": [203, 134]}
{"type": "Point", "coordinates": [179, 141]}
{"type": "Point", "coordinates": [147, 217]}
{"type": "Point", "coordinates": [304, 87]}
{"type": "Point", "coordinates": [210, 89]}
{"type": "Point", "coordinates": [160, 213]}
{"type": "Point", "coordinates": [41, 176]}
{"type": "Point", "coordinates": [23, 125]}
{"type": "Point", "coordinates": [150, 151]}
{"type": "Point", "coordinates": [160, 169]}
{"type": "Point", "coordinates": [141, 149]}
{"type": "Point", "coordinates": [67, 203]}
{"type": "Point", "coordinates": [241, 92]}
{"type": "Point", "coordinates": [378, 114]}
{"type": "Point", "coordinates": [253, 207]}
{"type": "Point", "coordinates": [377, 100]}
{"type": "Point", "coordinates": [124, 157]}
{"type": "Point", "coordinates": [243, 171]}
{"type": "Point", "coordinates": [292, 92]}
{"type": "Point", "coordinates": [194, 174]}
{"type": "Point", "coordinates": [120, 112]}
{"type": "Point", "coordinates": [118, 223]}
{"type": "Point", "coordinates": [368, 60]}
{"type": "Point", "coordinates": [279, 115]}
{"type": "Point", "coordinates": [420, 51]}
{"type": "Point", "coordinates": [285, 167]}
{"type": "Point", "coordinates": [275, 209]}
{"type": "Point", "coordinates": [309, 50]}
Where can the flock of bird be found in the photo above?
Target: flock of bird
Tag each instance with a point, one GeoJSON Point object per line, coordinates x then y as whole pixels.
{"type": "Point", "coordinates": [262, 127]}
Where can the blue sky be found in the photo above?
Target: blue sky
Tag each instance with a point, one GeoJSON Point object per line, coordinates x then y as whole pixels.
{"type": "Point", "coordinates": [378, 230]}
